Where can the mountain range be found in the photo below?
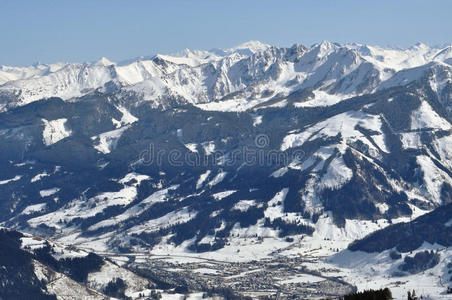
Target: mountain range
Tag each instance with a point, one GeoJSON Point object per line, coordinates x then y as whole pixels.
{"type": "Point", "coordinates": [242, 152]}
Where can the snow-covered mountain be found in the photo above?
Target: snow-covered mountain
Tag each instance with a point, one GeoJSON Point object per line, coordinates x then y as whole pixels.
{"type": "Point", "coordinates": [35, 268]}
{"type": "Point", "coordinates": [237, 154]}
{"type": "Point", "coordinates": [246, 75]}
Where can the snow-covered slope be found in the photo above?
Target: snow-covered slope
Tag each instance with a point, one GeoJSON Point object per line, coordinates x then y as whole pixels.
{"type": "Point", "coordinates": [104, 177]}
{"type": "Point", "coordinates": [227, 154]}
{"type": "Point", "coordinates": [43, 267]}
{"type": "Point", "coordinates": [17, 73]}
{"type": "Point", "coordinates": [252, 73]}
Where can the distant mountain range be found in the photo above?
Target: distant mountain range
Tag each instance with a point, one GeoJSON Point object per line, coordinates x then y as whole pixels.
{"type": "Point", "coordinates": [251, 71]}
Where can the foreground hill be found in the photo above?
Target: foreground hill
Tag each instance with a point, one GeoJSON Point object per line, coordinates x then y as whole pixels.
{"type": "Point", "coordinates": [34, 268]}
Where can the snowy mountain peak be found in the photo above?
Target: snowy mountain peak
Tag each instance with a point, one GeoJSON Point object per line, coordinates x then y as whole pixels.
{"type": "Point", "coordinates": [444, 55]}
{"type": "Point", "coordinates": [324, 49]}
{"type": "Point", "coordinates": [253, 46]}
{"type": "Point", "coordinates": [248, 48]}
{"type": "Point", "coordinates": [326, 45]}
{"type": "Point", "coordinates": [251, 71]}
{"type": "Point", "coordinates": [104, 62]}
{"type": "Point", "coordinates": [420, 46]}
{"type": "Point", "coordinates": [192, 58]}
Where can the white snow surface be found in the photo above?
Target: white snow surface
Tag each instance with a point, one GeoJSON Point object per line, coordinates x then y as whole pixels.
{"type": "Point", "coordinates": [99, 280]}
{"type": "Point", "coordinates": [343, 124]}
{"type": "Point", "coordinates": [38, 177]}
{"type": "Point", "coordinates": [65, 287]}
{"type": "Point", "coordinates": [218, 178]}
{"type": "Point", "coordinates": [209, 147]}
{"type": "Point", "coordinates": [204, 77]}
{"type": "Point", "coordinates": [275, 205]}
{"type": "Point", "coordinates": [425, 117]}
{"type": "Point", "coordinates": [34, 208]}
{"type": "Point", "coordinates": [85, 208]}
{"type": "Point", "coordinates": [126, 118]}
{"type": "Point", "coordinates": [15, 178]}
{"type": "Point", "coordinates": [48, 192]}
{"type": "Point", "coordinates": [322, 98]}
{"type": "Point", "coordinates": [221, 195]}
{"type": "Point", "coordinates": [156, 197]}
{"type": "Point", "coordinates": [434, 178]}
{"type": "Point", "coordinates": [54, 131]}
{"type": "Point", "coordinates": [375, 271]}
{"type": "Point", "coordinates": [202, 178]}
{"type": "Point", "coordinates": [193, 147]}
{"type": "Point", "coordinates": [107, 141]}
{"type": "Point", "coordinates": [175, 217]}
{"type": "Point", "coordinates": [244, 205]}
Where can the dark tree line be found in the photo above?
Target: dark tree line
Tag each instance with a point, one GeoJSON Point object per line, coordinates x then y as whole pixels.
{"type": "Point", "coordinates": [382, 294]}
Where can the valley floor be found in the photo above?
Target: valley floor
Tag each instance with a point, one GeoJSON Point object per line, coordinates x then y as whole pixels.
{"type": "Point", "coordinates": [316, 267]}
{"type": "Point", "coordinates": [303, 269]}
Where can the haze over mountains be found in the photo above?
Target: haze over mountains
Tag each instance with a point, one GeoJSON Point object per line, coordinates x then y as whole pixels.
{"type": "Point", "coordinates": [246, 153]}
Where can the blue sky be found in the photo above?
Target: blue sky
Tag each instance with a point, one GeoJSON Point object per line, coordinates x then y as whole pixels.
{"type": "Point", "coordinates": [85, 30]}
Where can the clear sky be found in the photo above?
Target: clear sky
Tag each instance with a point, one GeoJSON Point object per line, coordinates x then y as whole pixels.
{"type": "Point", "coordinates": [85, 30]}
